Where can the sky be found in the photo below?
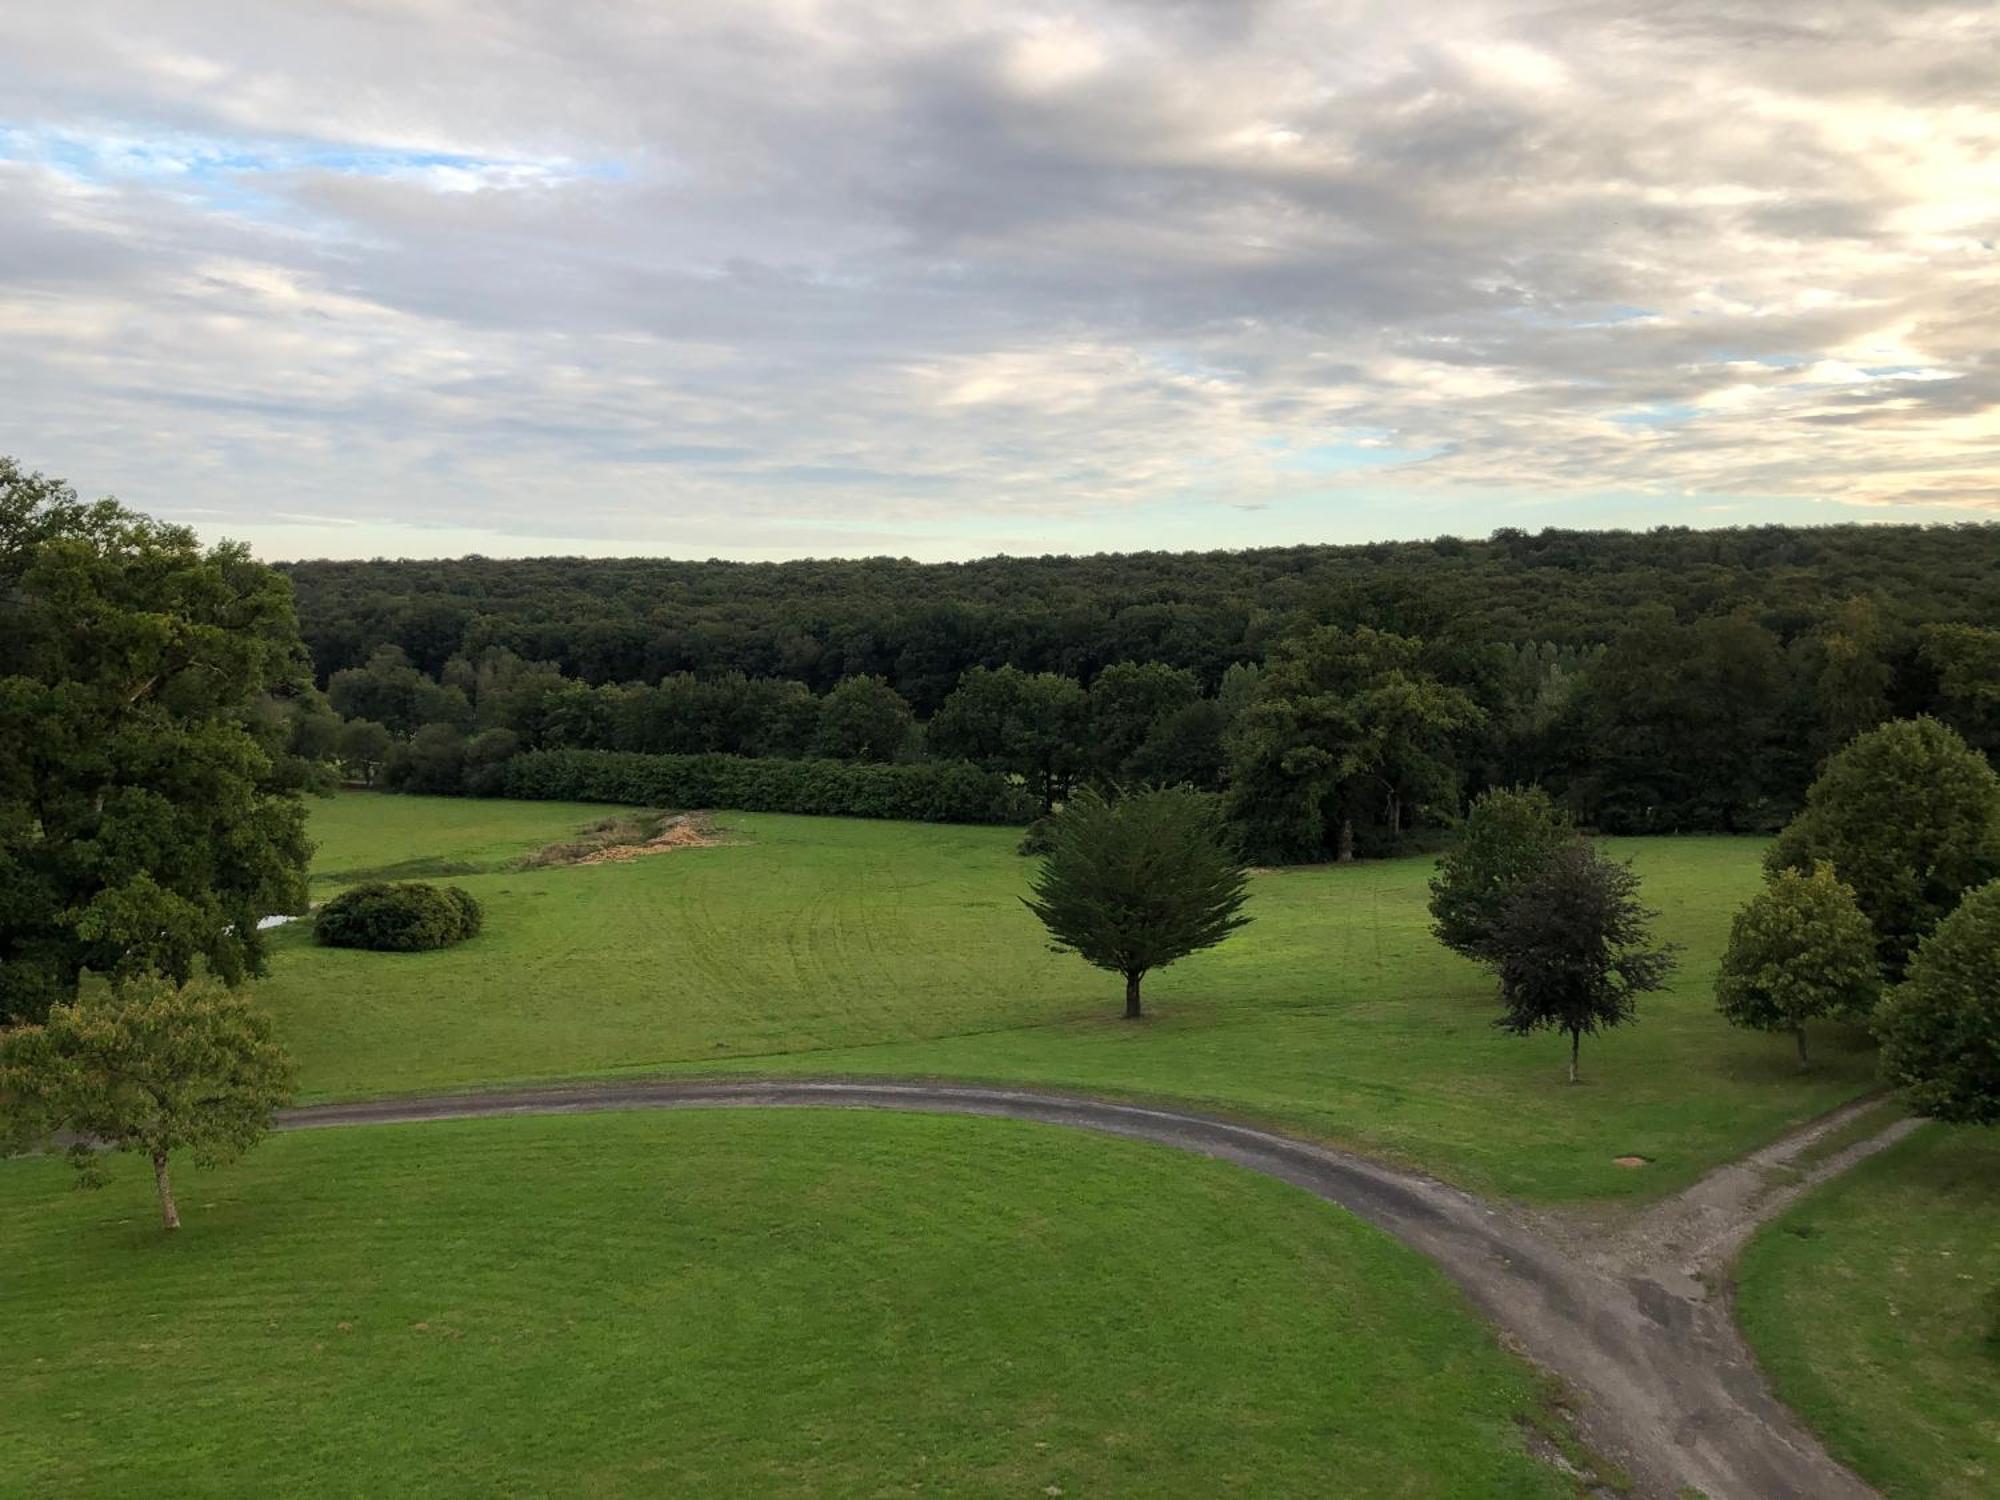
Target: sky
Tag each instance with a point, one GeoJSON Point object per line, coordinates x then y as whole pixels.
{"type": "Point", "coordinates": [778, 278]}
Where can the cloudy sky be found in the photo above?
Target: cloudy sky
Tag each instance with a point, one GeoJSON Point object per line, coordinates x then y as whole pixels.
{"type": "Point", "coordinates": [766, 278]}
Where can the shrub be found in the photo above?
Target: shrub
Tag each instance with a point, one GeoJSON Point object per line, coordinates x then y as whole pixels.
{"type": "Point", "coordinates": [1040, 836]}
{"type": "Point", "coordinates": [928, 792]}
{"type": "Point", "coordinates": [398, 918]}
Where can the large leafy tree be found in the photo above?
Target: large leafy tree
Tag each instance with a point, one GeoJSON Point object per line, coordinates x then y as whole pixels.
{"type": "Point", "coordinates": [1572, 948]}
{"type": "Point", "coordinates": [1032, 724]}
{"type": "Point", "coordinates": [1510, 833]}
{"type": "Point", "coordinates": [1682, 725]}
{"type": "Point", "coordinates": [1127, 700]}
{"type": "Point", "coordinates": [148, 1067]}
{"type": "Point", "coordinates": [1940, 1028]}
{"type": "Point", "coordinates": [1799, 951]}
{"type": "Point", "coordinates": [863, 719]}
{"type": "Point", "coordinates": [1966, 659]}
{"type": "Point", "coordinates": [1347, 727]}
{"type": "Point", "coordinates": [149, 810]}
{"type": "Point", "coordinates": [1139, 883]}
{"type": "Point", "coordinates": [1908, 815]}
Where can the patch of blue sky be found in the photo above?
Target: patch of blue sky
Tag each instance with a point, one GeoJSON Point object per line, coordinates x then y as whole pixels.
{"type": "Point", "coordinates": [110, 155]}
{"type": "Point", "coordinates": [1350, 456]}
{"type": "Point", "coordinates": [1656, 414]}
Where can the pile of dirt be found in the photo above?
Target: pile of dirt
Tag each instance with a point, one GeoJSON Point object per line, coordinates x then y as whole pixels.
{"type": "Point", "coordinates": [689, 831]}
{"type": "Point", "coordinates": [629, 837]}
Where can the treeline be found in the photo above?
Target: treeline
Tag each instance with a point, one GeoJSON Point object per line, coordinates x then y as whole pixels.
{"type": "Point", "coordinates": [1339, 743]}
{"type": "Point", "coordinates": [920, 627]}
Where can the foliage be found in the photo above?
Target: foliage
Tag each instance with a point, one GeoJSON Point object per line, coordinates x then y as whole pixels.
{"type": "Point", "coordinates": [1347, 728]}
{"type": "Point", "coordinates": [1135, 884]}
{"type": "Point", "coordinates": [433, 762]}
{"type": "Point", "coordinates": [389, 917]}
{"type": "Point", "coordinates": [149, 808]}
{"type": "Point", "coordinates": [148, 1067]}
{"type": "Point", "coordinates": [1800, 950]}
{"type": "Point", "coordinates": [923, 625]}
{"type": "Point", "coordinates": [1129, 701]}
{"type": "Point", "coordinates": [1966, 659]}
{"type": "Point", "coordinates": [1030, 725]}
{"type": "Point", "coordinates": [863, 718]}
{"type": "Point", "coordinates": [1685, 726]}
{"type": "Point", "coordinates": [1940, 1028]}
{"type": "Point", "coordinates": [1908, 816]}
{"type": "Point", "coordinates": [1570, 947]}
{"type": "Point", "coordinates": [1507, 837]}
{"type": "Point", "coordinates": [362, 746]}
{"type": "Point", "coordinates": [928, 792]}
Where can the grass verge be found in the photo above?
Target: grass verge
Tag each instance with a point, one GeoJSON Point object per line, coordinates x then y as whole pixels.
{"type": "Point", "coordinates": [1874, 1305]}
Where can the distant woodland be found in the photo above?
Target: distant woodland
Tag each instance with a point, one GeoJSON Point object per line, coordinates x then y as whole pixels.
{"type": "Point", "coordinates": [1657, 681]}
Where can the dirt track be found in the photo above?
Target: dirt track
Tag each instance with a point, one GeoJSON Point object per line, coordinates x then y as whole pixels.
{"type": "Point", "coordinates": [1666, 1386]}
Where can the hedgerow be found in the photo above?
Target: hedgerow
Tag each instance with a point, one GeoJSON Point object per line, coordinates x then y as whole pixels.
{"type": "Point", "coordinates": [929, 791]}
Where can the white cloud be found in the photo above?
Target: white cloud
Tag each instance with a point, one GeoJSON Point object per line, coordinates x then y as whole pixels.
{"type": "Point", "coordinates": [764, 276]}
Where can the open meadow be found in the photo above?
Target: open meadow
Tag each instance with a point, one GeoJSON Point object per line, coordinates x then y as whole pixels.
{"type": "Point", "coordinates": [847, 946]}
{"type": "Point", "coordinates": [783, 1303]}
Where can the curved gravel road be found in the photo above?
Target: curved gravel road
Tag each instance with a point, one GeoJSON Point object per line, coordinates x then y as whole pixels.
{"type": "Point", "coordinates": [1665, 1385]}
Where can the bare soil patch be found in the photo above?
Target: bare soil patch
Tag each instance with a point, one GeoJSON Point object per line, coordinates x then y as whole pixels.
{"type": "Point", "coordinates": [630, 836]}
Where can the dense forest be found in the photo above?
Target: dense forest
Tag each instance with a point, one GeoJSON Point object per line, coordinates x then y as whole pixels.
{"type": "Point", "coordinates": [1339, 696]}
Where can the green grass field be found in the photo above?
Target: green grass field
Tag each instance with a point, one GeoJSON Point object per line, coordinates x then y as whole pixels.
{"type": "Point", "coordinates": [820, 944]}
{"type": "Point", "coordinates": [782, 1303]}
{"type": "Point", "coordinates": [1875, 1307]}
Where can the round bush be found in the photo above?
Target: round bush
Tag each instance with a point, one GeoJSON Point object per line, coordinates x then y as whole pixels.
{"type": "Point", "coordinates": [398, 918]}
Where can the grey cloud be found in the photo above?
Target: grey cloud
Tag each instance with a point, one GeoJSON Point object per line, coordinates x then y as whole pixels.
{"type": "Point", "coordinates": [977, 265]}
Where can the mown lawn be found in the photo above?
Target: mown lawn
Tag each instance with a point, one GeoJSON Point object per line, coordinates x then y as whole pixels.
{"type": "Point", "coordinates": [896, 948]}
{"type": "Point", "coordinates": [754, 1304]}
{"type": "Point", "coordinates": [1875, 1307]}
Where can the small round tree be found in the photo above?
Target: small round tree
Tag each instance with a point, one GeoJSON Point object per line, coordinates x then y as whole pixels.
{"type": "Point", "coordinates": [1508, 836]}
{"type": "Point", "coordinates": [1570, 948]}
{"type": "Point", "coordinates": [1800, 950]}
{"type": "Point", "coordinates": [1909, 817]}
{"type": "Point", "coordinates": [150, 1067]}
{"type": "Point", "coordinates": [1136, 884]}
{"type": "Point", "coordinates": [1940, 1027]}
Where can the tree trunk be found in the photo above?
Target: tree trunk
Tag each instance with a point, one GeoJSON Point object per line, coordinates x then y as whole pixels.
{"type": "Point", "coordinates": [168, 1213]}
{"type": "Point", "coordinates": [1345, 851]}
{"type": "Point", "coordinates": [1575, 1045]}
{"type": "Point", "coordinates": [1132, 1011]}
{"type": "Point", "coordinates": [1804, 1061]}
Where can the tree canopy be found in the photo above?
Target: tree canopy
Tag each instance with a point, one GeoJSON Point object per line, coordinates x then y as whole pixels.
{"type": "Point", "coordinates": [1908, 815]}
{"type": "Point", "coordinates": [1799, 951]}
{"type": "Point", "coordinates": [1940, 1028]}
{"type": "Point", "coordinates": [1509, 834]}
{"type": "Point", "coordinates": [1135, 884]}
{"type": "Point", "coordinates": [1348, 730]}
{"type": "Point", "coordinates": [149, 1067]}
{"type": "Point", "coordinates": [1571, 948]}
{"type": "Point", "coordinates": [149, 812]}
